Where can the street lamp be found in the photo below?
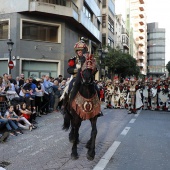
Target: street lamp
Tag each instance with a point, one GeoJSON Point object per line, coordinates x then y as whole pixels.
{"type": "Point", "coordinates": [10, 45]}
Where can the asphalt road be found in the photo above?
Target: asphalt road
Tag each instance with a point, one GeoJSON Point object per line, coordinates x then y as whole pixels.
{"type": "Point", "coordinates": [48, 148]}
{"type": "Point", "coordinates": [146, 146]}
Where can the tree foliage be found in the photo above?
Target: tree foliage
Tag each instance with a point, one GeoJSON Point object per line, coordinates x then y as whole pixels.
{"type": "Point", "coordinates": [168, 67]}
{"type": "Point", "coordinates": [120, 63]}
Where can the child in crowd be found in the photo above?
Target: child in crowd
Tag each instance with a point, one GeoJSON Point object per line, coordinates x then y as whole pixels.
{"type": "Point", "coordinates": [11, 115]}
{"type": "Point", "coordinates": [27, 114]}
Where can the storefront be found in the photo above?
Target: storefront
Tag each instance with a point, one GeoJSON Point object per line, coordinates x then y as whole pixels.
{"type": "Point", "coordinates": [37, 68]}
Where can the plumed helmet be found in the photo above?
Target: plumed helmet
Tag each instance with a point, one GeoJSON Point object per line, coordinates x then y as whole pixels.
{"type": "Point", "coordinates": [81, 45]}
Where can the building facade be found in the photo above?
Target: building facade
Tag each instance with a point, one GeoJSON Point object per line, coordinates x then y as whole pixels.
{"type": "Point", "coordinates": [137, 27]}
{"type": "Point", "coordinates": [155, 50]}
{"type": "Point", "coordinates": [44, 33]}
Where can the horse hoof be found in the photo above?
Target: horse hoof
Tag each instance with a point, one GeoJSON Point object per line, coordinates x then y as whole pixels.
{"type": "Point", "coordinates": [90, 158]}
{"type": "Point", "coordinates": [74, 157]}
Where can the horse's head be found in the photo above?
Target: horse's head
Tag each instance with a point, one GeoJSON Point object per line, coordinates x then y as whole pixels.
{"type": "Point", "coordinates": [88, 69]}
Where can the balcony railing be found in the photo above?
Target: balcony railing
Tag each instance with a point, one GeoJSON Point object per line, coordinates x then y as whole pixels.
{"type": "Point", "coordinates": [70, 4]}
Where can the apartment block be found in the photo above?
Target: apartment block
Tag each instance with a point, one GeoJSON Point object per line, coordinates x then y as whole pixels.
{"type": "Point", "coordinates": [155, 50]}
{"type": "Point", "coordinates": [137, 27]}
{"type": "Point", "coordinates": [44, 33]}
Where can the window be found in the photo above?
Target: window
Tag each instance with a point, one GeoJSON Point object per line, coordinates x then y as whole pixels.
{"type": "Point", "coordinates": [98, 25]}
{"type": "Point", "coordinates": [104, 21]}
{"type": "Point", "coordinates": [4, 28]}
{"type": "Point", "coordinates": [87, 12]}
{"type": "Point", "coordinates": [110, 42]}
{"type": "Point", "coordinates": [104, 4]}
{"type": "Point", "coordinates": [103, 39]}
{"type": "Point", "coordinates": [111, 25]}
{"type": "Point", "coordinates": [57, 2]}
{"type": "Point", "coordinates": [39, 32]}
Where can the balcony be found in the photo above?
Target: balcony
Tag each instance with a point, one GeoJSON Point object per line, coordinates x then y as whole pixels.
{"type": "Point", "coordinates": [141, 42]}
{"type": "Point", "coordinates": [141, 50]}
{"type": "Point", "coordinates": [89, 26]}
{"type": "Point", "coordinates": [141, 8]}
{"type": "Point", "coordinates": [125, 41]}
{"type": "Point", "coordinates": [141, 28]}
{"type": "Point", "coordinates": [141, 14]}
{"type": "Point", "coordinates": [67, 9]}
{"type": "Point", "coordinates": [141, 1]}
{"type": "Point", "coordinates": [141, 57]}
{"type": "Point", "coordinates": [141, 65]}
{"type": "Point", "coordinates": [141, 36]}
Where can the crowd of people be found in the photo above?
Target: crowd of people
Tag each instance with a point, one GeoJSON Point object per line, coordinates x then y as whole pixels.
{"type": "Point", "coordinates": [22, 100]}
{"type": "Point", "coordinates": [133, 94]}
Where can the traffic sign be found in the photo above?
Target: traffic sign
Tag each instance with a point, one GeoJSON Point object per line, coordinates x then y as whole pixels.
{"type": "Point", "coordinates": [11, 64]}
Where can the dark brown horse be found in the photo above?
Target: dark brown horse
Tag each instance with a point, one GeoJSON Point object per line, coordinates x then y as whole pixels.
{"type": "Point", "coordinates": [83, 104]}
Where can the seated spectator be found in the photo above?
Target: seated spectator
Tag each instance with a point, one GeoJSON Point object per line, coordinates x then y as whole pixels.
{"type": "Point", "coordinates": [29, 90]}
{"type": "Point", "coordinates": [13, 118]}
{"type": "Point", "coordinates": [23, 123]}
{"type": "Point", "coordinates": [9, 124]}
{"type": "Point", "coordinates": [27, 114]}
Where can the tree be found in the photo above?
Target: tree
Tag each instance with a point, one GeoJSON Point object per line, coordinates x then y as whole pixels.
{"type": "Point", "coordinates": [121, 63]}
{"type": "Point", "coordinates": [168, 67]}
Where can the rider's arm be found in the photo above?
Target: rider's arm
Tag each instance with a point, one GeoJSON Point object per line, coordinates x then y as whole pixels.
{"type": "Point", "coordinates": [72, 66]}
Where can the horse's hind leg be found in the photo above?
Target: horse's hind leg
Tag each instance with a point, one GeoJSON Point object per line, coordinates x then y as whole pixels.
{"type": "Point", "coordinates": [91, 143]}
{"type": "Point", "coordinates": [77, 123]}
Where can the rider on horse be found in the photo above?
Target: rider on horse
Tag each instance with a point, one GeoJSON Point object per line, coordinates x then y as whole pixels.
{"type": "Point", "coordinates": [75, 63]}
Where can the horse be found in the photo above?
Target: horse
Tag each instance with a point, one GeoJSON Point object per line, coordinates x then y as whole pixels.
{"type": "Point", "coordinates": [82, 104]}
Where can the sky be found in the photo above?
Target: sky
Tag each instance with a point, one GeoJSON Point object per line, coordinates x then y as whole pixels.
{"type": "Point", "coordinates": [156, 11]}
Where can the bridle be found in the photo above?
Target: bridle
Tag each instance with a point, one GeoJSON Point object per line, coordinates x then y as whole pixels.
{"type": "Point", "coordinates": [90, 64]}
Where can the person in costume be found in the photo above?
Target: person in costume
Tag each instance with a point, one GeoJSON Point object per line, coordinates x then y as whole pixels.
{"type": "Point", "coordinates": [76, 62]}
{"type": "Point", "coordinates": [131, 98]}
{"type": "Point", "coordinates": [74, 66]}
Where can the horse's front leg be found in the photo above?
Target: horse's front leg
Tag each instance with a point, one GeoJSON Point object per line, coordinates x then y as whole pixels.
{"type": "Point", "coordinates": [91, 143]}
{"type": "Point", "coordinates": [74, 154]}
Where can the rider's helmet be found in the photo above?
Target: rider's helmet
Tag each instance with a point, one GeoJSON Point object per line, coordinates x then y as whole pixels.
{"type": "Point", "coordinates": [81, 45]}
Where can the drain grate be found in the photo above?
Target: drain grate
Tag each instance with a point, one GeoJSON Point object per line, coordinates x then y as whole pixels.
{"type": "Point", "coordinates": [3, 164]}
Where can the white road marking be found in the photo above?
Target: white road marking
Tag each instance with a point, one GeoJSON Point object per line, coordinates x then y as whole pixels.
{"type": "Point", "coordinates": [107, 156]}
{"type": "Point", "coordinates": [125, 131]}
{"type": "Point", "coordinates": [132, 120]}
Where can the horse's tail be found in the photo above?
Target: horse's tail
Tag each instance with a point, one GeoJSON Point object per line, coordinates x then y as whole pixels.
{"type": "Point", "coordinates": [67, 121]}
{"type": "Point", "coordinates": [66, 114]}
